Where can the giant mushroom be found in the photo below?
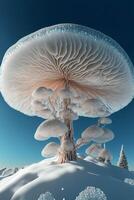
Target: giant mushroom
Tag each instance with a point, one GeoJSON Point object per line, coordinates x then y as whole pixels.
{"type": "Point", "coordinates": [81, 70]}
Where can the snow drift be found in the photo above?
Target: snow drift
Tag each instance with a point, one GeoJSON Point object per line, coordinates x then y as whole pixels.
{"type": "Point", "coordinates": [66, 181]}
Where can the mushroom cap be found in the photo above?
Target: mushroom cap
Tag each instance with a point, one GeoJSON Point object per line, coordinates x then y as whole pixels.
{"type": "Point", "coordinates": [92, 132]}
{"type": "Point", "coordinates": [93, 149]}
{"type": "Point", "coordinates": [107, 136]}
{"type": "Point", "coordinates": [105, 120]}
{"type": "Point", "coordinates": [51, 149]}
{"type": "Point", "coordinates": [86, 60]}
{"type": "Point", "coordinates": [50, 128]}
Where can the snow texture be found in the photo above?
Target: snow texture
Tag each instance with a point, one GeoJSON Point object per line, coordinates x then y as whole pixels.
{"type": "Point", "coordinates": [89, 62]}
{"type": "Point", "coordinates": [7, 172]}
{"type": "Point", "coordinates": [46, 196]}
{"type": "Point", "coordinates": [47, 175]}
{"type": "Point", "coordinates": [91, 193]}
{"type": "Point", "coordinates": [50, 128]}
{"type": "Point", "coordinates": [129, 181]}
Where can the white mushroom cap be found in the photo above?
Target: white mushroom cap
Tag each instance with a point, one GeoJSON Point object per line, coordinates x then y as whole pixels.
{"type": "Point", "coordinates": [90, 62]}
{"type": "Point", "coordinates": [92, 132]}
{"type": "Point", "coordinates": [50, 128]}
{"type": "Point", "coordinates": [94, 108]}
{"type": "Point", "coordinates": [51, 149]}
{"type": "Point", "coordinates": [107, 136]}
{"type": "Point", "coordinates": [93, 149]}
{"type": "Point", "coordinates": [105, 120]}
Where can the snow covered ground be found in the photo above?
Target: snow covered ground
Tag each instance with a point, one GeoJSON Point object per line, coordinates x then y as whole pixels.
{"type": "Point", "coordinates": [7, 172]}
{"type": "Point", "coordinates": [66, 181]}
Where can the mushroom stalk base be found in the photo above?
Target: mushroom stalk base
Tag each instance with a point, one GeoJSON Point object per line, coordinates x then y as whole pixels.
{"type": "Point", "coordinates": [67, 156]}
{"type": "Point", "coordinates": [70, 155]}
{"type": "Point", "coordinates": [68, 150]}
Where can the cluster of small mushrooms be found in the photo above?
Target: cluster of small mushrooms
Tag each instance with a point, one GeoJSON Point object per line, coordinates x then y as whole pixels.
{"type": "Point", "coordinates": [62, 72]}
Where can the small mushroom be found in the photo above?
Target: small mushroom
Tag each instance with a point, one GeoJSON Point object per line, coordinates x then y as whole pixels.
{"type": "Point", "coordinates": [107, 136]}
{"type": "Point", "coordinates": [50, 150]}
{"type": "Point", "coordinates": [50, 128]}
{"type": "Point", "coordinates": [92, 132]}
{"type": "Point", "coordinates": [105, 120]}
{"type": "Point", "coordinates": [93, 150]}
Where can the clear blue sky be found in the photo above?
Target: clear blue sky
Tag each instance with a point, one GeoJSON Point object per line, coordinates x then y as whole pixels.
{"type": "Point", "coordinates": [19, 18]}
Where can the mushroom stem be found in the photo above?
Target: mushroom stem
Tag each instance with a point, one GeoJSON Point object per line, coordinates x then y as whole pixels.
{"type": "Point", "coordinates": [67, 150]}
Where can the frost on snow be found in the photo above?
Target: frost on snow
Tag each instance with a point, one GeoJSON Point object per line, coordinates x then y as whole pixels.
{"type": "Point", "coordinates": [129, 181]}
{"type": "Point", "coordinates": [46, 196]}
{"type": "Point", "coordinates": [91, 193]}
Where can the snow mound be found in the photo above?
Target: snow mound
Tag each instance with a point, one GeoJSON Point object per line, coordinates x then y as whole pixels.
{"type": "Point", "coordinates": [32, 181]}
{"type": "Point", "coordinates": [7, 172]}
{"type": "Point", "coordinates": [129, 181]}
{"type": "Point", "coordinates": [91, 193]}
{"type": "Point", "coordinates": [2, 170]}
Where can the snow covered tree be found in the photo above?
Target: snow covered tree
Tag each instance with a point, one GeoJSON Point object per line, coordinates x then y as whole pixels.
{"type": "Point", "coordinates": [122, 162]}
{"type": "Point", "coordinates": [91, 193]}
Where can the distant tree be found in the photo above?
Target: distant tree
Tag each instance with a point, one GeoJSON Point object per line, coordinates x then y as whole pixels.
{"type": "Point", "coordinates": [122, 162]}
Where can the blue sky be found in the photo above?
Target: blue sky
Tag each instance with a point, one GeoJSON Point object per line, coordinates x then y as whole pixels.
{"type": "Point", "coordinates": [19, 18]}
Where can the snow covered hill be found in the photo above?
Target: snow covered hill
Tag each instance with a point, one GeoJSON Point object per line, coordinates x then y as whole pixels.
{"type": "Point", "coordinates": [7, 172]}
{"type": "Point", "coordinates": [66, 181]}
